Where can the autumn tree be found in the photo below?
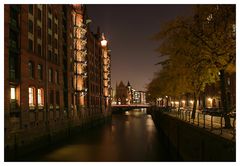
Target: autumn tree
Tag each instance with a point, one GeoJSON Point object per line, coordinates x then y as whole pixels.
{"type": "Point", "coordinates": [198, 48]}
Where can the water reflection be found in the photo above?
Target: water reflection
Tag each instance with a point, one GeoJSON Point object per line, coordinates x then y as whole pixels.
{"type": "Point", "coordinates": [131, 136]}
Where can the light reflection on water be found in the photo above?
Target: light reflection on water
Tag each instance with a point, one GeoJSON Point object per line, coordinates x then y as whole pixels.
{"type": "Point", "coordinates": [131, 136]}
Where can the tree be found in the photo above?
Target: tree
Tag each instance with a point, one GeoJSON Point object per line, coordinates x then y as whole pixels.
{"type": "Point", "coordinates": [190, 72]}
{"type": "Point", "coordinates": [217, 35]}
{"type": "Point", "coordinates": [198, 48]}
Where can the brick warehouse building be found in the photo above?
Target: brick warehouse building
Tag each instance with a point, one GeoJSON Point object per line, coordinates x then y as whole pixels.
{"type": "Point", "coordinates": [53, 73]}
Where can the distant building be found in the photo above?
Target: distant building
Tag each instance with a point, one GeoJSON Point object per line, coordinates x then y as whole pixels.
{"type": "Point", "coordinates": [125, 94]}
{"type": "Point", "coordinates": [121, 94]}
{"type": "Point", "coordinates": [139, 97]}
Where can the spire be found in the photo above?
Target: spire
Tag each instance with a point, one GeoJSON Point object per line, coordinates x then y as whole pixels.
{"type": "Point", "coordinates": [128, 84]}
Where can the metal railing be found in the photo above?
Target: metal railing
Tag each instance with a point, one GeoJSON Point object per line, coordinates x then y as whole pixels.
{"type": "Point", "coordinates": [212, 122]}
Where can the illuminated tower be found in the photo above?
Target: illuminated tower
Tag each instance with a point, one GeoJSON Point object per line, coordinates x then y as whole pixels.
{"type": "Point", "coordinates": [80, 52]}
{"type": "Point", "coordinates": [106, 73]}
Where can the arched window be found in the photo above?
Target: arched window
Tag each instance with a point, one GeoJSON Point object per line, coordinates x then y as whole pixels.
{"type": "Point", "coordinates": [40, 72]}
{"type": "Point", "coordinates": [50, 75]}
{"type": "Point", "coordinates": [40, 97]}
{"type": "Point", "coordinates": [31, 69]}
{"type": "Point", "coordinates": [31, 97]}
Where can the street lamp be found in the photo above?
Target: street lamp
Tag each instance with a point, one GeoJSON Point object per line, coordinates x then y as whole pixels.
{"type": "Point", "coordinates": [210, 101]}
{"type": "Point", "coordinates": [104, 41]}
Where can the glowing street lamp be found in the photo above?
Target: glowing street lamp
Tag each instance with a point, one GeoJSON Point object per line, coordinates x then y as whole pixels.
{"type": "Point", "coordinates": [210, 101]}
{"type": "Point", "coordinates": [104, 41]}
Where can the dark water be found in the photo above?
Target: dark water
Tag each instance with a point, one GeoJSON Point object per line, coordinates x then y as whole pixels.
{"type": "Point", "coordinates": [131, 136]}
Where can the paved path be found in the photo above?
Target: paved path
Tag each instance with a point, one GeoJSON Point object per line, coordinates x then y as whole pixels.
{"type": "Point", "coordinates": [212, 123]}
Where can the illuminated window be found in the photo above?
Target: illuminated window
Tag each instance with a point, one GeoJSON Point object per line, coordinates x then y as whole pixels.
{"type": "Point", "coordinates": [13, 93]}
{"type": "Point", "coordinates": [31, 96]}
{"type": "Point", "coordinates": [40, 95]}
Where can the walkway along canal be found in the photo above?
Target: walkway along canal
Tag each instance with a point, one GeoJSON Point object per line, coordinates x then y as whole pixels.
{"type": "Point", "coordinates": [131, 136]}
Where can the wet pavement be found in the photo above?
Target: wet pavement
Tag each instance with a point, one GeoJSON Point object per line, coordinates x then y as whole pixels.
{"type": "Point", "coordinates": [130, 136]}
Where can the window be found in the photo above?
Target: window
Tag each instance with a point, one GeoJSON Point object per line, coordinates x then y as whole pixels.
{"type": "Point", "coordinates": [49, 39]}
{"type": "Point", "coordinates": [57, 98]}
{"type": "Point", "coordinates": [30, 26]}
{"type": "Point", "coordinates": [13, 93]}
{"type": "Point", "coordinates": [50, 75]}
{"type": "Point", "coordinates": [56, 58]}
{"type": "Point", "coordinates": [40, 94]}
{"type": "Point", "coordinates": [55, 43]}
{"type": "Point", "coordinates": [30, 44]}
{"type": "Point", "coordinates": [55, 28]}
{"type": "Point", "coordinates": [31, 97]}
{"type": "Point", "coordinates": [39, 14]}
{"type": "Point", "coordinates": [12, 68]}
{"type": "Point", "coordinates": [40, 72]}
{"type": "Point", "coordinates": [56, 77]}
{"type": "Point", "coordinates": [51, 97]}
{"type": "Point", "coordinates": [39, 32]}
{"type": "Point", "coordinates": [31, 69]}
{"type": "Point", "coordinates": [30, 9]}
{"type": "Point", "coordinates": [49, 10]}
{"type": "Point", "coordinates": [228, 81]}
{"type": "Point", "coordinates": [49, 54]}
{"type": "Point", "coordinates": [49, 23]}
{"type": "Point", "coordinates": [39, 49]}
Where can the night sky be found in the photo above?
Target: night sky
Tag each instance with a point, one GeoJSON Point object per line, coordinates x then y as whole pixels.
{"type": "Point", "coordinates": [128, 28]}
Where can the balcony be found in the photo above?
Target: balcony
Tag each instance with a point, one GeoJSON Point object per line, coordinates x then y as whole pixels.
{"type": "Point", "coordinates": [84, 63]}
{"type": "Point", "coordinates": [84, 74]}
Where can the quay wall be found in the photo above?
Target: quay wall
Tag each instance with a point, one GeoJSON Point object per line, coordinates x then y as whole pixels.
{"type": "Point", "coordinates": [190, 143]}
{"type": "Point", "coordinates": [26, 141]}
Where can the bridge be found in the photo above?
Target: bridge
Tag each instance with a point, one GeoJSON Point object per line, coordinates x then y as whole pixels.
{"type": "Point", "coordinates": [122, 108]}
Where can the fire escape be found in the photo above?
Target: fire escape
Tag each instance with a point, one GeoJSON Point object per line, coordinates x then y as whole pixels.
{"type": "Point", "coordinates": [80, 52]}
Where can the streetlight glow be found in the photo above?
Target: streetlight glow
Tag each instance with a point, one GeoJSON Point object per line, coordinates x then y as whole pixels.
{"type": "Point", "coordinates": [210, 99]}
{"type": "Point", "coordinates": [104, 41]}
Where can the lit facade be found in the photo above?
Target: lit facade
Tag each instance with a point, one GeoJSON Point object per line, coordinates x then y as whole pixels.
{"type": "Point", "coordinates": [125, 94]}
{"type": "Point", "coordinates": [49, 70]}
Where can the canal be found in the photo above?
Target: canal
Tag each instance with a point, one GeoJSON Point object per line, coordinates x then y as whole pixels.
{"type": "Point", "coordinates": [131, 136]}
